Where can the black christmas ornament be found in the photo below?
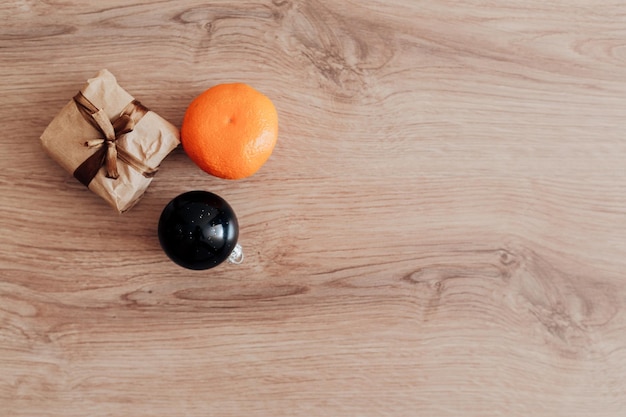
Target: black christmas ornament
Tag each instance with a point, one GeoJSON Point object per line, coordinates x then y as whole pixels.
{"type": "Point", "coordinates": [199, 230]}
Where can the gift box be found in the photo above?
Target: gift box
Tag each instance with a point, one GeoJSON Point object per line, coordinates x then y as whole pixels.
{"type": "Point", "coordinates": [109, 141]}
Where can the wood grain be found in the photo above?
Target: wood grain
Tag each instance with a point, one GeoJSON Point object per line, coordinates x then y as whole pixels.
{"type": "Point", "coordinates": [441, 230]}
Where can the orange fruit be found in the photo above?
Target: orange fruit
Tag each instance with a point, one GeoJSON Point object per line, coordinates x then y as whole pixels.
{"type": "Point", "coordinates": [230, 130]}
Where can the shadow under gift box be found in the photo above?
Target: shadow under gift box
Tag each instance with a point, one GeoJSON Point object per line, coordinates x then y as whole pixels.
{"type": "Point", "coordinates": [126, 141]}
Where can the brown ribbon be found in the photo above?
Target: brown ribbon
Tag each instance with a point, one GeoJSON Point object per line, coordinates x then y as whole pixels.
{"type": "Point", "coordinates": [108, 152]}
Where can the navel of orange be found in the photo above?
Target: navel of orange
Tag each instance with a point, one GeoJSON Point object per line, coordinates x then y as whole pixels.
{"type": "Point", "coordinates": [230, 130]}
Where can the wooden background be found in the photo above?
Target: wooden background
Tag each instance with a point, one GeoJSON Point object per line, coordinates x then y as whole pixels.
{"type": "Point", "coordinates": [441, 230]}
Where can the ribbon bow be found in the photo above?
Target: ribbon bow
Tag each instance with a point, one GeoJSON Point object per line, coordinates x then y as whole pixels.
{"type": "Point", "coordinates": [108, 152]}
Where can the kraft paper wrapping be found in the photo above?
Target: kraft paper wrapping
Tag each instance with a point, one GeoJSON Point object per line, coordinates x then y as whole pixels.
{"type": "Point", "coordinates": [151, 139]}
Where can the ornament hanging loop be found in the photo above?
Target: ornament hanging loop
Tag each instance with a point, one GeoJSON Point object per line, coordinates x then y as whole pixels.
{"type": "Point", "coordinates": [236, 256]}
